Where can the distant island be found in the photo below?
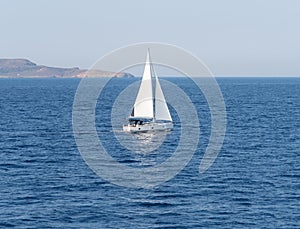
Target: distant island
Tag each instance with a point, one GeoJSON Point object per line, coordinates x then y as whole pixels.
{"type": "Point", "coordinates": [23, 68]}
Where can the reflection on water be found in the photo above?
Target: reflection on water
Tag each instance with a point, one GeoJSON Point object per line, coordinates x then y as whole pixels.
{"type": "Point", "coordinates": [144, 146]}
{"type": "Point", "coordinates": [142, 142]}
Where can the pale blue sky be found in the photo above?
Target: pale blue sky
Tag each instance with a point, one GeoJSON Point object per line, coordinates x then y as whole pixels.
{"type": "Point", "coordinates": [233, 37]}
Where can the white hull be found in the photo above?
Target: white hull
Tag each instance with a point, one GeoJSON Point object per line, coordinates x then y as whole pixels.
{"type": "Point", "coordinates": [148, 127]}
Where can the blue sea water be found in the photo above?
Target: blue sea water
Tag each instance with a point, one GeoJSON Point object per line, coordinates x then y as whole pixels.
{"type": "Point", "coordinates": [254, 182]}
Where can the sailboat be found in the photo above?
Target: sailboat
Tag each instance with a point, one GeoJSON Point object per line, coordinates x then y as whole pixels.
{"type": "Point", "coordinates": [150, 111]}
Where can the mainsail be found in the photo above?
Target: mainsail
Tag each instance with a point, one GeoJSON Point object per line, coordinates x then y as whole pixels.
{"type": "Point", "coordinates": [143, 106]}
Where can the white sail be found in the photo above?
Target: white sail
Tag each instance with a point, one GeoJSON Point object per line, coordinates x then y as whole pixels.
{"type": "Point", "coordinates": [143, 106]}
{"type": "Point", "coordinates": [161, 107]}
{"type": "Point", "coordinates": [150, 103]}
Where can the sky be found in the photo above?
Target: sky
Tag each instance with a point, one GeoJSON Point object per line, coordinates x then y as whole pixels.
{"type": "Point", "coordinates": [232, 37]}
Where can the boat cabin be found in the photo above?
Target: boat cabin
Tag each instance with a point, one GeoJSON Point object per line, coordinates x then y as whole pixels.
{"type": "Point", "coordinates": [138, 121]}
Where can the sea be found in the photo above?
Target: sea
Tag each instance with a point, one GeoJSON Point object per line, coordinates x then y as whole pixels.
{"type": "Point", "coordinates": [253, 183]}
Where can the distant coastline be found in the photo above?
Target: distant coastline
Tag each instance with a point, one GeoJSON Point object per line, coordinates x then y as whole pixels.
{"type": "Point", "coordinates": [23, 68]}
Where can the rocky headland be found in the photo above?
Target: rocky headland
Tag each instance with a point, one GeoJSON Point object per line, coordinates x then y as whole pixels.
{"type": "Point", "coordinates": [23, 68]}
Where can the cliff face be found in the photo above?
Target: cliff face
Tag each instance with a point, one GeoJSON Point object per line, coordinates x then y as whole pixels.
{"type": "Point", "coordinates": [22, 68]}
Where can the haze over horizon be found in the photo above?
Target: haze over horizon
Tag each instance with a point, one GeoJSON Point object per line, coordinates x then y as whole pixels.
{"type": "Point", "coordinates": [234, 38]}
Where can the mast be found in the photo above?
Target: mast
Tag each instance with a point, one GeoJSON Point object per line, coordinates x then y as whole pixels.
{"type": "Point", "coordinates": [153, 85]}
